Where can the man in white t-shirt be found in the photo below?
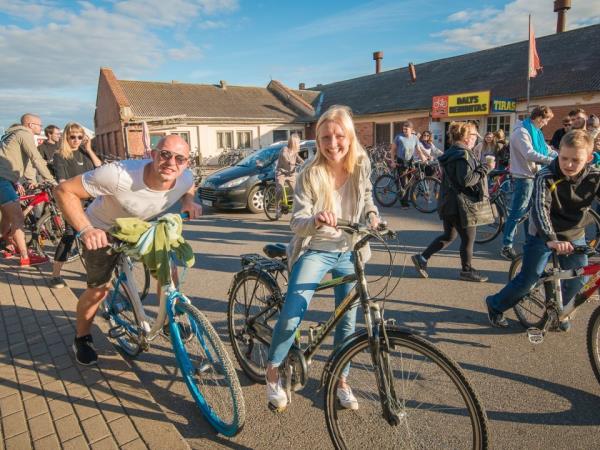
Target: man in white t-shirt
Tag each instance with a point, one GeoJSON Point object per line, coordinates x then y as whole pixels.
{"type": "Point", "coordinates": [132, 188]}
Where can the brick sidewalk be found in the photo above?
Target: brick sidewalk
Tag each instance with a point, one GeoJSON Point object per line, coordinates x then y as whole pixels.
{"type": "Point", "coordinates": [47, 400]}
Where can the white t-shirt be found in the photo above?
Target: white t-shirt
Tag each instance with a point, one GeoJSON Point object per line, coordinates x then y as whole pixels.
{"type": "Point", "coordinates": [120, 191]}
{"type": "Point", "coordinates": [328, 239]}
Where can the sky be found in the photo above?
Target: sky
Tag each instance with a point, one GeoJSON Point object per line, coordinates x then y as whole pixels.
{"type": "Point", "coordinates": [52, 50]}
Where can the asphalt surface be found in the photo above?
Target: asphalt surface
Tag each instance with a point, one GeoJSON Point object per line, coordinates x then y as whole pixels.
{"type": "Point", "coordinates": [543, 396]}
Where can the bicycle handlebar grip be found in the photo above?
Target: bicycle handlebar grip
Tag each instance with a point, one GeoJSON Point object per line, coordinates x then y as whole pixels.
{"type": "Point", "coordinates": [184, 215]}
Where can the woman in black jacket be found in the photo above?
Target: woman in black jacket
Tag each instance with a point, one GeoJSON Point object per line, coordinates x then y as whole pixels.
{"type": "Point", "coordinates": [74, 157]}
{"type": "Point", "coordinates": [463, 173]}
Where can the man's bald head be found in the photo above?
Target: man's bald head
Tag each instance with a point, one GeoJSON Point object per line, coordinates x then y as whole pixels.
{"type": "Point", "coordinates": [33, 122]}
{"type": "Point", "coordinates": [175, 143]}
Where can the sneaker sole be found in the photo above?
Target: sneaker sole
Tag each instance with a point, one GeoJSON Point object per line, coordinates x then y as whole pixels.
{"type": "Point", "coordinates": [350, 408]}
{"type": "Point", "coordinates": [79, 362]}
{"type": "Point", "coordinates": [483, 280]}
{"type": "Point", "coordinates": [487, 310]}
{"type": "Point", "coordinates": [422, 272]}
{"type": "Point", "coordinates": [276, 409]}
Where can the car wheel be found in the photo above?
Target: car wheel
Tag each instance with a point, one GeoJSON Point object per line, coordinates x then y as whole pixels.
{"type": "Point", "coordinates": [255, 199]}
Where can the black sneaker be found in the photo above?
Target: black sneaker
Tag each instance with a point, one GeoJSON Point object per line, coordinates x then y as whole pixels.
{"type": "Point", "coordinates": [472, 275]}
{"type": "Point", "coordinates": [508, 253]}
{"type": "Point", "coordinates": [57, 283]}
{"type": "Point", "coordinates": [85, 354]}
{"type": "Point", "coordinates": [420, 264]}
{"type": "Point", "coordinates": [496, 319]}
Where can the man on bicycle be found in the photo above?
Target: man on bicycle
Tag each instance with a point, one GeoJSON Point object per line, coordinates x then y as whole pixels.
{"type": "Point", "coordinates": [17, 151]}
{"type": "Point", "coordinates": [404, 148]}
{"type": "Point", "coordinates": [131, 188]}
{"type": "Point", "coordinates": [562, 193]}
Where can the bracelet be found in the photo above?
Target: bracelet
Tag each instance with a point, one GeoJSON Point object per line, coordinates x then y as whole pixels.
{"type": "Point", "coordinates": [83, 231]}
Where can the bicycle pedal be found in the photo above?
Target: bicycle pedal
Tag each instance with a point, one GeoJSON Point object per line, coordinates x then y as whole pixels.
{"type": "Point", "coordinates": [535, 335]}
{"type": "Point", "coordinates": [116, 332]}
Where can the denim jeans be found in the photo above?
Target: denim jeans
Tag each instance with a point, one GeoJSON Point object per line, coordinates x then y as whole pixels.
{"type": "Point", "coordinates": [523, 188]}
{"type": "Point", "coordinates": [306, 275]}
{"type": "Point", "coordinates": [535, 257]}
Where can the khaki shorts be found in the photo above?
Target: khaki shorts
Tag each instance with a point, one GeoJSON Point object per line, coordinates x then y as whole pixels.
{"type": "Point", "coordinates": [99, 265]}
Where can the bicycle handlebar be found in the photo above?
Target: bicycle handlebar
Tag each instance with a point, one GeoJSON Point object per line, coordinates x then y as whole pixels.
{"type": "Point", "coordinates": [355, 227]}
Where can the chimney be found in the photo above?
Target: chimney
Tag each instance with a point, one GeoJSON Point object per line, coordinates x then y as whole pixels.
{"type": "Point", "coordinates": [561, 7]}
{"type": "Point", "coordinates": [377, 57]}
{"type": "Point", "coordinates": [412, 71]}
{"type": "Point", "coordinates": [223, 84]}
{"type": "Point", "coordinates": [302, 86]}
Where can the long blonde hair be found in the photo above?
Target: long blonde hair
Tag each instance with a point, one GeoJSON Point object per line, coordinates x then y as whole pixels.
{"type": "Point", "coordinates": [316, 177]}
{"type": "Point", "coordinates": [294, 143]}
{"type": "Point", "coordinates": [64, 149]}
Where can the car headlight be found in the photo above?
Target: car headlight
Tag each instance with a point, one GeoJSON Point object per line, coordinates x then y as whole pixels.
{"type": "Point", "coordinates": [233, 183]}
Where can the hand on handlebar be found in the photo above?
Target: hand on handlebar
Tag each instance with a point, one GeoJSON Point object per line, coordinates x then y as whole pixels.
{"type": "Point", "coordinates": [560, 247]}
{"type": "Point", "coordinates": [325, 218]}
{"type": "Point", "coordinates": [94, 238]}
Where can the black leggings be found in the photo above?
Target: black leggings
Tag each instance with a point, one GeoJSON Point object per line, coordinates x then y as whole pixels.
{"type": "Point", "coordinates": [452, 228]}
{"type": "Point", "coordinates": [65, 245]}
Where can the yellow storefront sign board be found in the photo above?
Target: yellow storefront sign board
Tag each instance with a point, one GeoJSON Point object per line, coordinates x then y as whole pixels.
{"type": "Point", "coordinates": [469, 104]}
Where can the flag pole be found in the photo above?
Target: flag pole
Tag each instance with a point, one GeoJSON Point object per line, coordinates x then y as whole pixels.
{"type": "Point", "coordinates": [528, 63]}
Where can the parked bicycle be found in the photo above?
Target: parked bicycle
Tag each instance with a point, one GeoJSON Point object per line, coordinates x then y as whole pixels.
{"type": "Point", "coordinates": [423, 189]}
{"type": "Point", "coordinates": [276, 205]}
{"type": "Point", "coordinates": [201, 356]}
{"type": "Point", "coordinates": [411, 395]}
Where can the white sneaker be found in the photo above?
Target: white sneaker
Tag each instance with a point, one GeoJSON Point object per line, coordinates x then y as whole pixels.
{"type": "Point", "coordinates": [347, 398]}
{"type": "Point", "coordinates": [276, 395]}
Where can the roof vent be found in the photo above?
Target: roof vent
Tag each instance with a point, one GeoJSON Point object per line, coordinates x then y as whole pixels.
{"type": "Point", "coordinates": [377, 57]}
{"type": "Point", "coordinates": [302, 86]}
{"type": "Point", "coordinates": [223, 84]}
{"type": "Point", "coordinates": [561, 7]}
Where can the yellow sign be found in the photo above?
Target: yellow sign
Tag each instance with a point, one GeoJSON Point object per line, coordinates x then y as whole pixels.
{"type": "Point", "coordinates": [469, 104]}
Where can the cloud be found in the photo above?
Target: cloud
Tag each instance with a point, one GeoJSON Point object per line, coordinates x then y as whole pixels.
{"type": "Point", "coordinates": [493, 27]}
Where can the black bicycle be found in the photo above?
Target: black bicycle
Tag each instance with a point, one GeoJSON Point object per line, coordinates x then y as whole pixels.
{"type": "Point", "coordinates": [410, 394]}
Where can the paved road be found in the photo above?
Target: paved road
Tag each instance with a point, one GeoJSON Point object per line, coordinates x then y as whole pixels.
{"type": "Point", "coordinates": [535, 397]}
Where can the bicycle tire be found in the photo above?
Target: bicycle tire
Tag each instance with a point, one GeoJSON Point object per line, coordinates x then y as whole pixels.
{"type": "Point", "coordinates": [487, 233]}
{"type": "Point", "coordinates": [271, 204]}
{"type": "Point", "coordinates": [386, 190]}
{"type": "Point", "coordinates": [251, 291]}
{"type": "Point", "coordinates": [593, 342]}
{"type": "Point", "coordinates": [531, 309]}
{"type": "Point", "coordinates": [140, 270]}
{"type": "Point", "coordinates": [49, 230]}
{"type": "Point", "coordinates": [425, 193]}
{"type": "Point", "coordinates": [434, 416]}
{"type": "Point", "coordinates": [118, 309]}
{"type": "Point", "coordinates": [207, 370]}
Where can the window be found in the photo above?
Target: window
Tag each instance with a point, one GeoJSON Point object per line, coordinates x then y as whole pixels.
{"type": "Point", "coordinates": [298, 132]}
{"type": "Point", "coordinates": [224, 139]}
{"type": "Point", "coordinates": [382, 133]}
{"type": "Point", "coordinates": [280, 135]}
{"type": "Point", "coordinates": [184, 135]}
{"type": "Point", "coordinates": [244, 139]}
{"type": "Point", "coordinates": [496, 122]}
{"type": "Point", "coordinates": [154, 138]}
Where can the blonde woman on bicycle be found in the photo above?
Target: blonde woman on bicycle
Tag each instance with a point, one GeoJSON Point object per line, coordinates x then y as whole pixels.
{"type": "Point", "coordinates": [335, 184]}
{"type": "Point", "coordinates": [285, 170]}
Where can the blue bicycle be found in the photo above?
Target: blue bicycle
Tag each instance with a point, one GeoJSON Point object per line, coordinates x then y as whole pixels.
{"type": "Point", "coordinates": [204, 363]}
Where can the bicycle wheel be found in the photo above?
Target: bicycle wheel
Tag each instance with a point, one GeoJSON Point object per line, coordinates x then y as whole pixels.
{"type": "Point", "coordinates": [386, 190]}
{"type": "Point", "coordinates": [271, 204]}
{"type": "Point", "coordinates": [142, 278]}
{"type": "Point", "coordinates": [254, 304]}
{"type": "Point", "coordinates": [593, 342]}
{"type": "Point", "coordinates": [531, 309]}
{"type": "Point", "coordinates": [425, 193]}
{"type": "Point", "coordinates": [489, 232]}
{"type": "Point", "coordinates": [207, 370]}
{"type": "Point", "coordinates": [49, 230]}
{"type": "Point", "coordinates": [117, 308]}
{"type": "Point", "coordinates": [434, 401]}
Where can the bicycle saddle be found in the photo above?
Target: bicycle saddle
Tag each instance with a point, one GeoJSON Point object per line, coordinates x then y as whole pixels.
{"type": "Point", "coordinates": [275, 250]}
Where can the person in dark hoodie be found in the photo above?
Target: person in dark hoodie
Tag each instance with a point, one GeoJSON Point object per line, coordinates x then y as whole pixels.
{"type": "Point", "coordinates": [562, 193]}
{"type": "Point", "coordinates": [462, 172]}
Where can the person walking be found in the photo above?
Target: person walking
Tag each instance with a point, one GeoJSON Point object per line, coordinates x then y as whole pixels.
{"type": "Point", "coordinates": [528, 149]}
{"type": "Point", "coordinates": [75, 156]}
{"type": "Point", "coordinates": [462, 174]}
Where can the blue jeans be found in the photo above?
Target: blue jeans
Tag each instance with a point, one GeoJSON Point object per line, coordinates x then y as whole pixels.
{"type": "Point", "coordinates": [8, 193]}
{"type": "Point", "coordinates": [306, 275]}
{"type": "Point", "coordinates": [535, 257]}
{"type": "Point", "coordinates": [523, 188]}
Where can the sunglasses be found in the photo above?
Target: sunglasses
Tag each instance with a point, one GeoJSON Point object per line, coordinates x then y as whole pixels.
{"type": "Point", "coordinates": [166, 155]}
{"type": "Point", "coordinates": [78, 137]}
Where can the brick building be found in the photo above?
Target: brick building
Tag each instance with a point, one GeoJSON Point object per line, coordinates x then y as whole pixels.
{"type": "Point", "coordinates": [471, 85]}
{"type": "Point", "coordinates": [209, 117]}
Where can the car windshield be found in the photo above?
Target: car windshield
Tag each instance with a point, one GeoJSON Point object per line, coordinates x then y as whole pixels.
{"type": "Point", "coordinates": [266, 156]}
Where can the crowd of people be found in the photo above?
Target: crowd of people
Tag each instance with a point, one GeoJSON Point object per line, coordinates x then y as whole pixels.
{"type": "Point", "coordinates": [557, 181]}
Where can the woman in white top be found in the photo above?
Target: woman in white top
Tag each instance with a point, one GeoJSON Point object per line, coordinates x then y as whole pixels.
{"type": "Point", "coordinates": [335, 184]}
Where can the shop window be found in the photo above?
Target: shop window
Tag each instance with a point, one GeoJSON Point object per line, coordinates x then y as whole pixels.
{"type": "Point", "coordinates": [224, 139]}
{"type": "Point", "coordinates": [382, 133]}
{"type": "Point", "coordinates": [497, 122]}
{"type": "Point", "coordinates": [244, 139]}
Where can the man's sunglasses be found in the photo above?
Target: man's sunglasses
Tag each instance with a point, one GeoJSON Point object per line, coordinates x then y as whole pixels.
{"type": "Point", "coordinates": [166, 155]}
